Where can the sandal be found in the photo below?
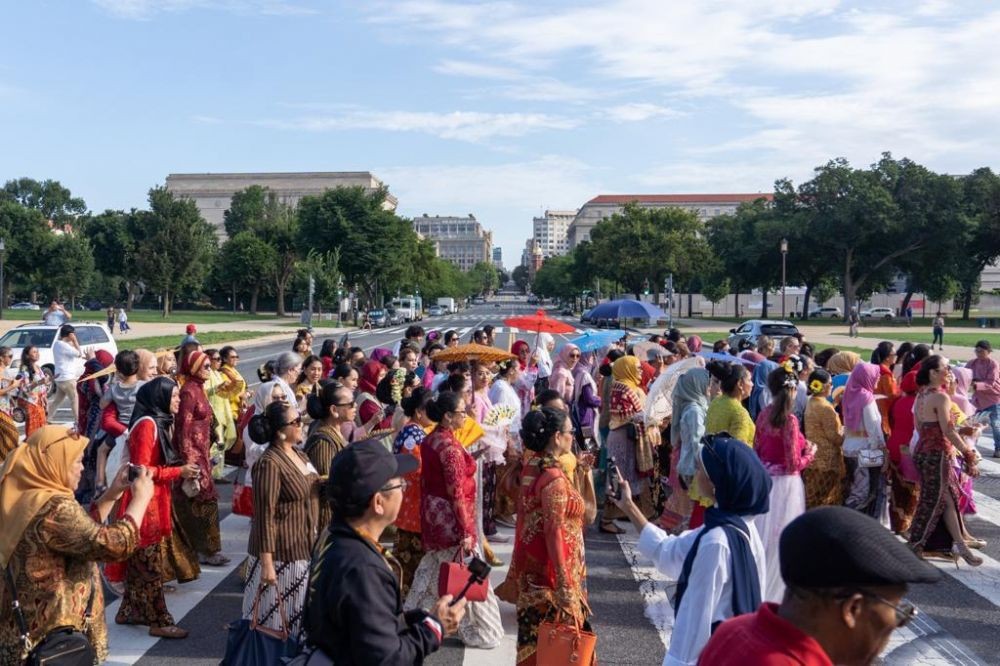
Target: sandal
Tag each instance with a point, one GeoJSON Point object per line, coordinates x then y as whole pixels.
{"type": "Point", "coordinates": [172, 631]}
{"type": "Point", "coordinates": [610, 528]}
{"type": "Point", "coordinates": [217, 560]}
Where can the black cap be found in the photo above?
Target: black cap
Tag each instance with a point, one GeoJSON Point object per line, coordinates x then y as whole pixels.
{"type": "Point", "coordinates": [834, 546]}
{"type": "Point", "coordinates": [363, 468]}
{"type": "Point", "coordinates": [984, 344]}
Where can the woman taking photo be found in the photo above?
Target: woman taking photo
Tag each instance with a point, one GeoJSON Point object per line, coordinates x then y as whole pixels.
{"type": "Point", "coordinates": [335, 406]}
{"type": "Point", "coordinates": [824, 478]}
{"type": "Point", "coordinates": [783, 450]}
{"type": "Point", "coordinates": [283, 527]}
{"type": "Point", "coordinates": [937, 524]}
{"type": "Point", "coordinates": [548, 559]}
{"type": "Point", "coordinates": [33, 394]}
{"type": "Point", "coordinates": [408, 547]}
{"type": "Point", "coordinates": [50, 544]}
{"type": "Point", "coordinates": [448, 520]}
{"type": "Point", "coordinates": [150, 431]}
{"type": "Point", "coordinates": [197, 515]}
{"type": "Point", "coordinates": [720, 567]}
{"type": "Point", "coordinates": [864, 444]}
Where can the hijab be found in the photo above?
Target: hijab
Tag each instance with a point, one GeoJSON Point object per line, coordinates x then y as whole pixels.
{"type": "Point", "coordinates": [691, 390]}
{"type": "Point", "coordinates": [859, 393]}
{"type": "Point", "coordinates": [152, 400]}
{"type": "Point", "coordinates": [963, 380]}
{"type": "Point", "coordinates": [627, 371]}
{"type": "Point", "coordinates": [561, 379]}
{"type": "Point", "coordinates": [842, 363]}
{"type": "Point", "coordinates": [694, 344]}
{"type": "Point", "coordinates": [368, 378]}
{"type": "Point", "coordinates": [34, 473]}
{"type": "Point", "coordinates": [192, 364]}
{"type": "Point", "coordinates": [516, 349]}
{"type": "Point", "coordinates": [583, 375]}
{"type": "Point", "coordinates": [760, 396]}
{"type": "Point", "coordinates": [544, 359]}
{"type": "Point", "coordinates": [742, 488]}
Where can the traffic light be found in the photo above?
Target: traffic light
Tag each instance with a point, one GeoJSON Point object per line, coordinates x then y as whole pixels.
{"type": "Point", "coordinates": [645, 287]}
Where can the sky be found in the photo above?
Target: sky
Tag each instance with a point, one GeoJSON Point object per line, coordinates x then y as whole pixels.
{"type": "Point", "coordinates": [499, 109]}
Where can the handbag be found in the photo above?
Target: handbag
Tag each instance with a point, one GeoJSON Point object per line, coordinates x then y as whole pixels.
{"type": "Point", "coordinates": [243, 500]}
{"type": "Point", "coordinates": [310, 657]}
{"type": "Point", "coordinates": [249, 644]}
{"type": "Point", "coordinates": [454, 576]}
{"type": "Point", "coordinates": [63, 646]}
{"type": "Point", "coordinates": [871, 457]}
{"type": "Point", "coordinates": [583, 481]}
{"type": "Point", "coordinates": [565, 644]}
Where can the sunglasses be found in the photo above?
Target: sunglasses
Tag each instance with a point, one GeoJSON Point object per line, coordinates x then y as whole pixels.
{"type": "Point", "coordinates": [574, 356]}
{"type": "Point", "coordinates": [344, 404]}
{"type": "Point", "coordinates": [297, 422]}
{"type": "Point", "coordinates": [215, 359]}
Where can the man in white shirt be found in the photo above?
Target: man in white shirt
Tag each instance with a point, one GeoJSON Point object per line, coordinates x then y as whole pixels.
{"type": "Point", "coordinates": [66, 354]}
{"type": "Point", "coordinates": [56, 315]}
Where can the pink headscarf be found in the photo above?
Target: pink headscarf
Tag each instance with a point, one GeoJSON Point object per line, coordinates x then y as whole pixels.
{"type": "Point", "coordinates": [694, 344]}
{"type": "Point", "coordinates": [561, 379]}
{"type": "Point", "coordinates": [963, 380]}
{"type": "Point", "coordinates": [859, 393]}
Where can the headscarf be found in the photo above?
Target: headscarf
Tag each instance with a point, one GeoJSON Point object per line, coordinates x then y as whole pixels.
{"type": "Point", "coordinates": [192, 364]}
{"type": "Point", "coordinates": [368, 378]}
{"type": "Point", "coordinates": [694, 344]}
{"type": "Point", "coordinates": [859, 393]}
{"type": "Point", "coordinates": [842, 363]}
{"type": "Point", "coordinates": [153, 400]}
{"type": "Point", "coordinates": [379, 353]}
{"type": "Point", "coordinates": [516, 350]}
{"type": "Point", "coordinates": [963, 380]}
{"type": "Point", "coordinates": [742, 488]}
{"type": "Point", "coordinates": [627, 371]}
{"type": "Point", "coordinates": [544, 359]}
{"type": "Point", "coordinates": [760, 396]}
{"type": "Point", "coordinates": [583, 375]}
{"type": "Point", "coordinates": [33, 474]}
{"type": "Point", "coordinates": [691, 390]}
{"type": "Point", "coordinates": [561, 379]}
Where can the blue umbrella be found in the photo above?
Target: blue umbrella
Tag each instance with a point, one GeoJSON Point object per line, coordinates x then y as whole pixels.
{"type": "Point", "coordinates": [726, 358]}
{"type": "Point", "coordinates": [626, 309]}
{"type": "Point", "coordinates": [593, 340]}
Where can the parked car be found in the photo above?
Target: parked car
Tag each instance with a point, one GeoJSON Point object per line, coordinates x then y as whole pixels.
{"type": "Point", "coordinates": [478, 301]}
{"type": "Point", "coordinates": [878, 313]}
{"type": "Point", "coordinates": [435, 311]}
{"type": "Point", "coordinates": [395, 317]}
{"type": "Point", "coordinates": [585, 317]}
{"type": "Point", "coordinates": [91, 335]}
{"type": "Point", "coordinates": [832, 313]}
{"type": "Point", "coordinates": [378, 318]}
{"type": "Point", "coordinates": [566, 312]}
{"type": "Point", "coordinates": [24, 305]}
{"type": "Point", "coordinates": [751, 330]}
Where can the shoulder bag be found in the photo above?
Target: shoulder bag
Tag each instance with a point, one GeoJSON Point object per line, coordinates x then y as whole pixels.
{"type": "Point", "coordinates": [63, 646]}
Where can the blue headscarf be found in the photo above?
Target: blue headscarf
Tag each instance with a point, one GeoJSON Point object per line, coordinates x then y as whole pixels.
{"type": "Point", "coordinates": [742, 488]}
{"type": "Point", "coordinates": [760, 397]}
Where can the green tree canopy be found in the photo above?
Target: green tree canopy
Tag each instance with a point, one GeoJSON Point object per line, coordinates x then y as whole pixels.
{"type": "Point", "coordinates": [48, 197]}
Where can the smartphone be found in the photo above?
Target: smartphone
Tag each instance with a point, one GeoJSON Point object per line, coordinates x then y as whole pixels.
{"type": "Point", "coordinates": [133, 472]}
{"type": "Point", "coordinates": [614, 484]}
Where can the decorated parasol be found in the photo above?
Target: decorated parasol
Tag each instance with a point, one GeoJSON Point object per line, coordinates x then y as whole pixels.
{"type": "Point", "coordinates": [472, 352]}
{"type": "Point", "coordinates": [539, 323]}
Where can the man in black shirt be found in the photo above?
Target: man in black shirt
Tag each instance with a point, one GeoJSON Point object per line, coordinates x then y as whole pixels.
{"type": "Point", "coordinates": [354, 612]}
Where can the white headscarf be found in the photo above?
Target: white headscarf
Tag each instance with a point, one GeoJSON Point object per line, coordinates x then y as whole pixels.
{"type": "Point", "coordinates": [544, 359]}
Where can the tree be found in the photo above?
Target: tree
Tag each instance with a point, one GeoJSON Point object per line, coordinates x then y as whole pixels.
{"type": "Point", "coordinates": [324, 270]}
{"type": "Point", "coordinates": [716, 289]}
{"type": "Point", "coordinates": [484, 277]}
{"type": "Point", "coordinates": [280, 230]}
{"type": "Point", "coordinates": [69, 267]}
{"type": "Point", "coordinates": [113, 247]}
{"type": "Point", "coordinates": [522, 278]}
{"type": "Point", "coordinates": [174, 245]}
{"type": "Point", "coordinates": [48, 197]}
{"type": "Point", "coordinates": [247, 208]}
{"type": "Point", "coordinates": [245, 263]}
{"type": "Point", "coordinates": [27, 237]}
{"type": "Point", "coordinates": [732, 239]}
{"type": "Point", "coordinates": [553, 279]}
{"type": "Point", "coordinates": [981, 204]}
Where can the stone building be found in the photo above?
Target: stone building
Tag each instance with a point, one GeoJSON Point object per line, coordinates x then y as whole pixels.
{"type": "Point", "coordinates": [460, 240]}
{"type": "Point", "coordinates": [550, 232]}
{"type": "Point", "coordinates": [212, 192]}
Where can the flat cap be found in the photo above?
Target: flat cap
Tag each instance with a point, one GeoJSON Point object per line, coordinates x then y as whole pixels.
{"type": "Point", "coordinates": [834, 546]}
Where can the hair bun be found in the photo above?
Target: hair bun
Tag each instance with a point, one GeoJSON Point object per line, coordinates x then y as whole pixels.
{"type": "Point", "coordinates": [259, 429]}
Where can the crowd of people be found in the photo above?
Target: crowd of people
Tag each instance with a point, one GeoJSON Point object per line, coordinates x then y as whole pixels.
{"type": "Point", "coordinates": [364, 476]}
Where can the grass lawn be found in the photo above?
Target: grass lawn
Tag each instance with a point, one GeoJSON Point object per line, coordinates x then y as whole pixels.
{"type": "Point", "coordinates": [177, 317]}
{"type": "Point", "coordinates": [918, 322]}
{"type": "Point", "coordinates": [208, 338]}
{"type": "Point", "coordinates": [950, 337]}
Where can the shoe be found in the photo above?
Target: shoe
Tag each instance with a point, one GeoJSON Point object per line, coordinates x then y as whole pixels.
{"type": "Point", "coordinates": [217, 560]}
{"type": "Point", "coordinates": [610, 528]}
{"type": "Point", "coordinates": [961, 550]}
{"type": "Point", "coordinates": [172, 631]}
{"type": "Point", "coordinates": [505, 522]}
{"type": "Point", "coordinates": [996, 453]}
{"type": "Point", "coordinates": [495, 561]}
{"type": "Point", "coordinates": [973, 542]}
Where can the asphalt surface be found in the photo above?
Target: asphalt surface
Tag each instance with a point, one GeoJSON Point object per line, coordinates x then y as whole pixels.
{"type": "Point", "coordinates": [630, 601]}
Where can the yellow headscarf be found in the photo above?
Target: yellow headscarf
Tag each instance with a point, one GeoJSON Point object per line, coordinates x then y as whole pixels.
{"type": "Point", "coordinates": [34, 473]}
{"type": "Point", "coordinates": [842, 363]}
{"type": "Point", "coordinates": [627, 371]}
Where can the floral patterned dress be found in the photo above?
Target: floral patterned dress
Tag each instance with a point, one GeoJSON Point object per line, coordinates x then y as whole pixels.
{"type": "Point", "coordinates": [408, 549]}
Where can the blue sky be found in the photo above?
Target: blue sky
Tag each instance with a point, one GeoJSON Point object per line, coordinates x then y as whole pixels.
{"type": "Point", "coordinates": [499, 109]}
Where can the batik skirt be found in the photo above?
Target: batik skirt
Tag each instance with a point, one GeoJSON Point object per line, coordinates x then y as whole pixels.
{"type": "Point", "coordinates": [293, 582]}
{"type": "Point", "coordinates": [143, 601]}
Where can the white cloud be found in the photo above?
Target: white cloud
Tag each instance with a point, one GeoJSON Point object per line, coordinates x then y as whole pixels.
{"type": "Point", "coordinates": [147, 9]}
{"type": "Point", "coordinates": [639, 111]}
{"type": "Point", "coordinates": [477, 70]}
{"type": "Point", "coordinates": [459, 125]}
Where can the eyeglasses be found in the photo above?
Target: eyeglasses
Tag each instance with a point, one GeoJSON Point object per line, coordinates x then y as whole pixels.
{"type": "Point", "coordinates": [905, 611]}
{"type": "Point", "coordinates": [401, 485]}
{"type": "Point", "coordinates": [297, 422]}
{"type": "Point", "coordinates": [215, 359]}
{"type": "Point", "coordinates": [574, 356]}
{"type": "Point", "coordinates": [344, 404]}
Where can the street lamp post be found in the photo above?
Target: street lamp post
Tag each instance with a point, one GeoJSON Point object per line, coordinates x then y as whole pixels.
{"type": "Point", "coordinates": [3, 251]}
{"type": "Point", "coordinates": [784, 255]}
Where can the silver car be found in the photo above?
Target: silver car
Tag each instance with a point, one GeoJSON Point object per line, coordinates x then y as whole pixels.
{"type": "Point", "coordinates": [752, 330]}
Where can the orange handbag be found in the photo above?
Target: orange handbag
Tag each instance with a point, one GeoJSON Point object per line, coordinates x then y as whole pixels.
{"type": "Point", "coordinates": [560, 644]}
{"type": "Point", "coordinates": [454, 576]}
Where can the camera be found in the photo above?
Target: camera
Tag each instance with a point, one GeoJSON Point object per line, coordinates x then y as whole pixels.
{"type": "Point", "coordinates": [133, 472]}
{"type": "Point", "coordinates": [479, 572]}
{"type": "Point", "coordinates": [614, 482]}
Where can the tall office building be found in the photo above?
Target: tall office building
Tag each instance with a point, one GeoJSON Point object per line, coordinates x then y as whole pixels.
{"type": "Point", "coordinates": [550, 232]}
{"type": "Point", "coordinates": [498, 257]}
{"type": "Point", "coordinates": [460, 240]}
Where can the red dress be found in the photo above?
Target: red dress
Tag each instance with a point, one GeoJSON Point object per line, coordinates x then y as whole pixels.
{"type": "Point", "coordinates": [144, 449]}
{"type": "Point", "coordinates": [448, 491]}
{"type": "Point", "coordinates": [192, 434]}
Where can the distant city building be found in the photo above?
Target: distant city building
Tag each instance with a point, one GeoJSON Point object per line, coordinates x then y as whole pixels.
{"type": "Point", "coordinates": [550, 232]}
{"type": "Point", "coordinates": [600, 207]}
{"type": "Point", "coordinates": [498, 257]}
{"type": "Point", "coordinates": [213, 192]}
{"type": "Point", "coordinates": [460, 240]}
{"type": "Point", "coordinates": [535, 258]}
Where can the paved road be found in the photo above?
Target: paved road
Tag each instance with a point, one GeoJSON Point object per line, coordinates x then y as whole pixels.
{"type": "Point", "coordinates": [630, 600]}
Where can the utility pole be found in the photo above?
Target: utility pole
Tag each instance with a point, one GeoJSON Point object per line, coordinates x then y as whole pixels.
{"type": "Point", "coordinates": [669, 288]}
